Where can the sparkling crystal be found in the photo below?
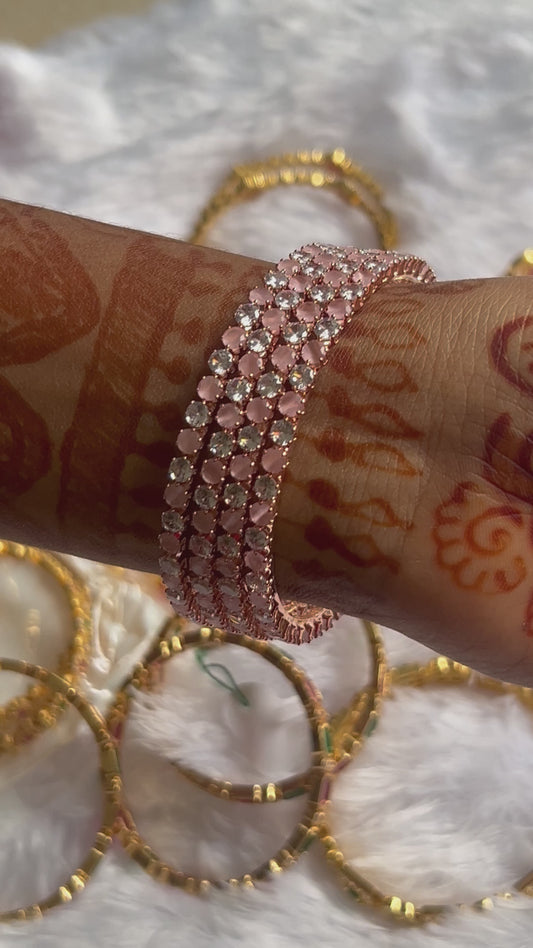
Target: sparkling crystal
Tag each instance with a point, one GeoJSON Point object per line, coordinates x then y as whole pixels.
{"type": "Point", "coordinates": [313, 270]}
{"type": "Point", "coordinates": [276, 280]}
{"type": "Point", "coordinates": [265, 487]}
{"type": "Point", "coordinates": [221, 444]}
{"type": "Point", "coordinates": [180, 470]}
{"type": "Point", "coordinates": [228, 546]}
{"type": "Point", "coordinates": [256, 583]}
{"type": "Point", "coordinates": [327, 328]}
{"type": "Point", "coordinates": [351, 292]}
{"type": "Point", "coordinates": [197, 414]}
{"type": "Point", "coordinates": [286, 299]}
{"type": "Point", "coordinates": [248, 315]}
{"type": "Point", "coordinates": [205, 497]}
{"type": "Point", "coordinates": [255, 538]}
{"type": "Point", "coordinates": [259, 340]}
{"type": "Point", "coordinates": [295, 332]}
{"type": "Point", "coordinates": [172, 521]}
{"type": "Point", "coordinates": [249, 438]}
{"type": "Point", "coordinates": [170, 568]}
{"type": "Point", "coordinates": [220, 361]}
{"type": "Point", "coordinates": [238, 389]}
{"type": "Point", "coordinates": [321, 293]}
{"type": "Point", "coordinates": [301, 376]}
{"type": "Point", "coordinates": [269, 384]}
{"type": "Point", "coordinates": [235, 495]}
{"type": "Point", "coordinates": [201, 546]}
{"type": "Point", "coordinates": [282, 432]}
{"type": "Point", "coordinates": [301, 256]}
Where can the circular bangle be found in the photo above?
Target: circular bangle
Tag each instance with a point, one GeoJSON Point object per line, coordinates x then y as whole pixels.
{"type": "Point", "coordinates": [111, 784]}
{"type": "Point", "coordinates": [304, 832]}
{"type": "Point", "coordinates": [522, 265]}
{"type": "Point", "coordinates": [439, 671]}
{"type": "Point", "coordinates": [333, 171]}
{"type": "Point", "coordinates": [225, 479]}
{"type": "Point", "coordinates": [24, 716]}
{"type": "Point", "coordinates": [348, 728]}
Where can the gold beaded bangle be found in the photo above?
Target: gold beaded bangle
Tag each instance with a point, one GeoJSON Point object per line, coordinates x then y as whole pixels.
{"type": "Point", "coordinates": [439, 671]}
{"type": "Point", "coordinates": [304, 832]}
{"type": "Point", "coordinates": [522, 265]}
{"type": "Point", "coordinates": [26, 715]}
{"type": "Point", "coordinates": [331, 170]}
{"type": "Point", "coordinates": [111, 784]}
{"type": "Point", "coordinates": [348, 728]}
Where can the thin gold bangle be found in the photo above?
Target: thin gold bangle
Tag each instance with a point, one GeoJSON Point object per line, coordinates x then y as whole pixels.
{"type": "Point", "coordinates": [349, 727]}
{"type": "Point", "coordinates": [304, 832]}
{"type": "Point", "coordinates": [26, 715]}
{"type": "Point", "coordinates": [522, 265]}
{"type": "Point", "coordinates": [439, 671]}
{"type": "Point", "coordinates": [111, 785]}
{"type": "Point", "coordinates": [333, 171]}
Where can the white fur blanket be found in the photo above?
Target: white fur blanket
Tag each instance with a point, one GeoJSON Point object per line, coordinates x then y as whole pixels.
{"type": "Point", "coordinates": [135, 121]}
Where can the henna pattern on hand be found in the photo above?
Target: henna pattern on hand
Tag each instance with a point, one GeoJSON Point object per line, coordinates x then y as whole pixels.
{"type": "Point", "coordinates": [383, 375]}
{"type": "Point", "coordinates": [511, 351]}
{"type": "Point", "coordinates": [379, 418]}
{"type": "Point", "coordinates": [362, 553]}
{"type": "Point", "coordinates": [25, 447]}
{"type": "Point", "coordinates": [375, 455]}
{"type": "Point", "coordinates": [508, 459]}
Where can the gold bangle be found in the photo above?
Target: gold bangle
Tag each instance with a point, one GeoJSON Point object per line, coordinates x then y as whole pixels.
{"type": "Point", "coordinates": [304, 832]}
{"type": "Point", "coordinates": [439, 671]}
{"type": "Point", "coordinates": [331, 170]}
{"type": "Point", "coordinates": [349, 727]}
{"type": "Point", "coordinates": [26, 715]}
{"type": "Point", "coordinates": [111, 784]}
{"type": "Point", "coordinates": [523, 265]}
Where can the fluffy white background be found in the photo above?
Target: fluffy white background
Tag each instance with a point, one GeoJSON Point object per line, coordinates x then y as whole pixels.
{"type": "Point", "coordinates": [135, 121]}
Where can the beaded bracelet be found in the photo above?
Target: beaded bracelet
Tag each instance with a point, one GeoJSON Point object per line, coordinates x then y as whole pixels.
{"type": "Point", "coordinates": [438, 671]}
{"type": "Point", "coordinates": [111, 785]}
{"type": "Point", "coordinates": [24, 716]}
{"type": "Point", "coordinates": [318, 781]}
{"type": "Point", "coordinates": [224, 482]}
{"type": "Point", "coordinates": [348, 729]}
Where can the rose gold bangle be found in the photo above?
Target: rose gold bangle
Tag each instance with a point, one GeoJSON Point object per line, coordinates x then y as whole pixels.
{"type": "Point", "coordinates": [224, 481]}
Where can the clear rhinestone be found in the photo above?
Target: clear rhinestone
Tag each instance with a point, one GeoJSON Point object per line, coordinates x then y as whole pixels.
{"type": "Point", "coordinates": [179, 471]}
{"type": "Point", "coordinates": [172, 521]}
{"type": "Point", "coordinates": [370, 265]}
{"type": "Point", "coordinates": [313, 270]}
{"type": "Point", "coordinates": [228, 590]}
{"type": "Point", "coordinates": [327, 328]}
{"type": "Point", "coordinates": [287, 299]}
{"type": "Point", "coordinates": [205, 497]}
{"type": "Point", "coordinates": [170, 568]}
{"type": "Point", "coordinates": [256, 539]}
{"type": "Point", "coordinates": [282, 432]}
{"type": "Point", "coordinates": [238, 389]}
{"type": "Point", "coordinates": [248, 315]}
{"type": "Point", "coordinates": [197, 414]}
{"type": "Point", "coordinates": [249, 438]}
{"type": "Point", "coordinates": [301, 256]}
{"type": "Point", "coordinates": [347, 268]}
{"type": "Point", "coordinates": [265, 487]}
{"type": "Point", "coordinates": [351, 292]}
{"type": "Point", "coordinates": [295, 333]}
{"type": "Point", "coordinates": [235, 496]}
{"type": "Point", "coordinates": [259, 340]}
{"type": "Point", "coordinates": [228, 546]}
{"type": "Point", "coordinates": [301, 376]}
{"type": "Point", "coordinates": [269, 384]}
{"type": "Point", "coordinates": [221, 444]}
{"type": "Point", "coordinates": [201, 546]}
{"type": "Point", "coordinates": [276, 280]}
{"type": "Point", "coordinates": [220, 361]}
{"type": "Point", "coordinates": [321, 293]}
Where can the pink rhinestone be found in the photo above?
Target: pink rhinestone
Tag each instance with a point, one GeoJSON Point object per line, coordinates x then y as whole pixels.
{"type": "Point", "coordinates": [334, 277]}
{"type": "Point", "coordinates": [176, 495]}
{"type": "Point", "coordinates": [228, 415]}
{"type": "Point", "coordinates": [256, 599]}
{"type": "Point", "coordinates": [287, 266]}
{"type": "Point", "coordinates": [212, 471]}
{"type": "Point", "coordinates": [299, 283]}
{"type": "Point", "coordinates": [260, 514]}
{"type": "Point", "coordinates": [290, 404]}
{"type": "Point", "coordinates": [258, 410]}
{"type": "Point", "coordinates": [260, 295]}
{"type": "Point", "coordinates": [233, 337]}
{"type": "Point", "coordinates": [231, 520]}
{"type": "Point", "coordinates": [338, 308]}
{"type": "Point", "coordinates": [169, 542]}
{"type": "Point", "coordinates": [203, 521]}
{"type": "Point", "coordinates": [227, 568]}
{"type": "Point", "coordinates": [209, 388]}
{"type": "Point", "coordinates": [313, 352]}
{"type": "Point", "coordinates": [362, 277]}
{"type": "Point", "coordinates": [326, 259]}
{"type": "Point", "coordinates": [189, 441]}
{"type": "Point", "coordinates": [273, 460]}
{"type": "Point", "coordinates": [283, 357]}
{"type": "Point", "coordinates": [255, 562]}
{"type": "Point", "coordinates": [199, 566]}
{"type": "Point", "coordinates": [273, 319]}
{"type": "Point", "coordinates": [250, 365]}
{"type": "Point", "coordinates": [241, 467]}
{"type": "Point", "coordinates": [308, 312]}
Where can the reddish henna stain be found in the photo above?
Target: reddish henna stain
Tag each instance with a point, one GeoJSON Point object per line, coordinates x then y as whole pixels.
{"type": "Point", "coordinates": [508, 459]}
{"type": "Point", "coordinates": [25, 447]}
{"type": "Point", "coordinates": [377, 510]}
{"type": "Point", "coordinates": [374, 455]}
{"type": "Point", "coordinates": [527, 624]}
{"type": "Point", "coordinates": [48, 298]}
{"type": "Point", "coordinates": [322, 537]}
{"type": "Point", "coordinates": [400, 336]}
{"type": "Point", "coordinates": [331, 445]}
{"type": "Point", "coordinates": [376, 417]}
{"type": "Point", "coordinates": [503, 358]}
{"type": "Point", "coordinates": [178, 371]}
{"type": "Point", "coordinates": [383, 375]}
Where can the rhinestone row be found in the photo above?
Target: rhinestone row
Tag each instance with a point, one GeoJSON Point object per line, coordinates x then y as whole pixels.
{"type": "Point", "coordinates": [224, 482]}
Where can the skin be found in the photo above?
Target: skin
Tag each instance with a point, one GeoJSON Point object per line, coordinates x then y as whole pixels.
{"type": "Point", "coordinates": [409, 489]}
